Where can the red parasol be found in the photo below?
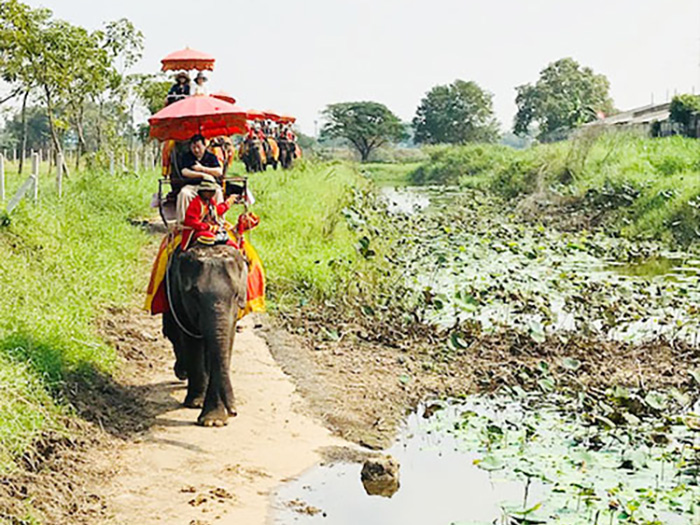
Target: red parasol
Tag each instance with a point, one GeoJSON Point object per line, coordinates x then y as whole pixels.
{"type": "Point", "coordinates": [222, 95]}
{"type": "Point", "coordinates": [188, 59]}
{"type": "Point", "coordinates": [254, 114]}
{"type": "Point", "coordinates": [201, 114]}
{"type": "Point", "coordinates": [287, 119]}
{"type": "Point", "coordinates": [271, 115]}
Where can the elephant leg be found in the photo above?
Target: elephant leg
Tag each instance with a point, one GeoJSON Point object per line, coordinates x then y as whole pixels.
{"type": "Point", "coordinates": [218, 342]}
{"type": "Point", "coordinates": [175, 336]}
{"type": "Point", "coordinates": [197, 373]}
{"type": "Point", "coordinates": [189, 361]}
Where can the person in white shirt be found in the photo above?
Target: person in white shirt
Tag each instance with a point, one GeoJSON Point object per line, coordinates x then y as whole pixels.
{"type": "Point", "coordinates": [199, 87]}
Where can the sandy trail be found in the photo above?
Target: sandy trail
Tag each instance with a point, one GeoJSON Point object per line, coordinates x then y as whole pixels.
{"type": "Point", "coordinates": [179, 473]}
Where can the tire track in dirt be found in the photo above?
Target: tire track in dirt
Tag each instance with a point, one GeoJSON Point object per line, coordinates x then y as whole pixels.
{"type": "Point", "coordinates": [179, 473]}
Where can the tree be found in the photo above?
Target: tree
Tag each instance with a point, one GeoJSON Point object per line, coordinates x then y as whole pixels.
{"type": "Point", "coordinates": [32, 129]}
{"type": "Point", "coordinates": [19, 27]}
{"type": "Point", "coordinates": [564, 97]}
{"type": "Point", "coordinates": [683, 107]}
{"type": "Point", "coordinates": [366, 125]}
{"type": "Point", "coordinates": [151, 90]}
{"type": "Point", "coordinates": [456, 114]}
{"type": "Point", "coordinates": [72, 69]}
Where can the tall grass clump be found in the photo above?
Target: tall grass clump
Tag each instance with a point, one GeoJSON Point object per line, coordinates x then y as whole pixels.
{"type": "Point", "coordinates": [303, 238]}
{"type": "Point", "coordinates": [326, 241]}
{"type": "Point", "coordinates": [645, 187]}
{"type": "Point", "coordinates": [63, 262]}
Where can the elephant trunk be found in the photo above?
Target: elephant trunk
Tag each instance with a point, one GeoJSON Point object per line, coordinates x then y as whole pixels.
{"type": "Point", "coordinates": [218, 329]}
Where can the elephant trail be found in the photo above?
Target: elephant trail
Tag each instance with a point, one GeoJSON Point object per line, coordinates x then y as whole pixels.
{"type": "Point", "coordinates": [180, 473]}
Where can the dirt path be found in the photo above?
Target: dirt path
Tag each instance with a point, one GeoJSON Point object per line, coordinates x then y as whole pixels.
{"type": "Point", "coordinates": [180, 473]}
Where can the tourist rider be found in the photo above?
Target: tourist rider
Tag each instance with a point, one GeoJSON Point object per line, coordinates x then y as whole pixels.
{"type": "Point", "coordinates": [193, 165]}
{"type": "Point", "coordinates": [204, 219]}
{"type": "Point", "coordinates": [199, 87]}
{"type": "Point", "coordinates": [180, 89]}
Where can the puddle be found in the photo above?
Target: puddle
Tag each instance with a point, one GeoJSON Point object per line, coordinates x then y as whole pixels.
{"type": "Point", "coordinates": [404, 200]}
{"type": "Point", "coordinates": [439, 483]}
{"type": "Point", "coordinates": [671, 267]}
{"type": "Point", "coordinates": [500, 461]}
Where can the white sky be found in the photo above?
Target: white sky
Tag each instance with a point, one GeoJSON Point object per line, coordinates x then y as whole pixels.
{"type": "Point", "coordinates": [297, 56]}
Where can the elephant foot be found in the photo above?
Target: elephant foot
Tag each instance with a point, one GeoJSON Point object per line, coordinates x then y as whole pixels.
{"type": "Point", "coordinates": [217, 417]}
{"type": "Point", "coordinates": [194, 401]}
{"type": "Point", "coordinates": [214, 418]}
{"type": "Point", "coordinates": [180, 371]}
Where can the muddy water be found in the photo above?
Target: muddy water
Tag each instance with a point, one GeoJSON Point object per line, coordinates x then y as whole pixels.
{"type": "Point", "coordinates": [439, 483]}
{"type": "Point", "coordinates": [505, 460]}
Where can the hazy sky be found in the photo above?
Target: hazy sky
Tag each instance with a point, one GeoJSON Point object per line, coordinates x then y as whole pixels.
{"type": "Point", "coordinates": [298, 56]}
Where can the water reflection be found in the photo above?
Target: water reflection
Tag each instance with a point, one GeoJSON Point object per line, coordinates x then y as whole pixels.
{"type": "Point", "coordinates": [439, 485]}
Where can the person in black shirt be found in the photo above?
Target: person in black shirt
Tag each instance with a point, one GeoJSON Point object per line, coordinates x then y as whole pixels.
{"type": "Point", "coordinates": [180, 89]}
{"type": "Point", "coordinates": [192, 166]}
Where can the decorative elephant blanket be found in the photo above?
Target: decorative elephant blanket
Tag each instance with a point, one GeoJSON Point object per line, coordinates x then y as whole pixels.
{"type": "Point", "coordinates": [156, 296]}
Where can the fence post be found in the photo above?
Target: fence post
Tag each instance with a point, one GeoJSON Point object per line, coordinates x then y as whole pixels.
{"type": "Point", "coordinates": [35, 175]}
{"type": "Point", "coordinates": [136, 161]}
{"type": "Point", "coordinates": [2, 178]}
{"type": "Point", "coordinates": [111, 163]}
{"type": "Point", "coordinates": [59, 174]}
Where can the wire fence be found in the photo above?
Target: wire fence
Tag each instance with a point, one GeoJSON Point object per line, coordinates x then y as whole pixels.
{"type": "Point", "coordinates": [43, 166]}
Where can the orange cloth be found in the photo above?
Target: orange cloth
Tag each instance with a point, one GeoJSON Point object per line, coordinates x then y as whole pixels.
{"type": "Point", "coordinates": [168, 147]}
{"type": "Point", "coordinates": [255, 300]}
{"type": "Point", "coordinates": [156, 298]}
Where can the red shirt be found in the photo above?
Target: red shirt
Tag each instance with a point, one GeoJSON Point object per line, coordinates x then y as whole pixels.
{"type": "Point", "coordinates": [199, 214]}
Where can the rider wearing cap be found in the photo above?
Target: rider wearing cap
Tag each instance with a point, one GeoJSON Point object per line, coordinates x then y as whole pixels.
{"type": "Point", "coordinates": [204, 219]}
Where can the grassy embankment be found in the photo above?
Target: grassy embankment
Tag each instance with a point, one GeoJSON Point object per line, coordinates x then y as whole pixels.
{"type": "Point", "coordinates": [647, 188]}
{"type": "Point", "coordinates": [63, 261]}
{"type": "Point", "coordinates": [319, 238]}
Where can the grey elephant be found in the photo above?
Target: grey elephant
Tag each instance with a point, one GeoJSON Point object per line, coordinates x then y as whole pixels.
{"type": "Point", "coordinates": [206, 288]}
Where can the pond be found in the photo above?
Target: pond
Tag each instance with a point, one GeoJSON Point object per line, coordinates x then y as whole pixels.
{"type": "Point", "coordinates": [474, 262]}
{"type": "Point", "coordinates": [618, 456]}
{"type": "Point", "coordinates": [514, 460]}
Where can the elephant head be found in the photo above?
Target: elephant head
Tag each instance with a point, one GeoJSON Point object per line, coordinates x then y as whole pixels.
{"type": "Point", "coordinates": [206, 287]}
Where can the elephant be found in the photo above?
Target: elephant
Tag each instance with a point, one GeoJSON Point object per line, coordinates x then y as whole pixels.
{"type": "Point", "coordinates": [206, 287]}
{"type": "Point", "coordinates": [253, 155]}
{"type": "Point", "coordinates": [287, 152]}
{"type": "Point", "coordinates": [272, 153]}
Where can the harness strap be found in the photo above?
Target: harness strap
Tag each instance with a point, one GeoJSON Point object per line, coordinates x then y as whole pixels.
{"type": "Point", "coordinates": [172, 306]}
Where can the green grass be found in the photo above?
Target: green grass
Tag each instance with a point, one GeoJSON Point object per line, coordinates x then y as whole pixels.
{"type": "Point", "coordinates": [649, 188]}
{"type": "Point", "coordinates": [63, 262]}
{"type": "Point", "coordinates": [303, 238]}
{"type": "Point", "coordinates": [390, 174]}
